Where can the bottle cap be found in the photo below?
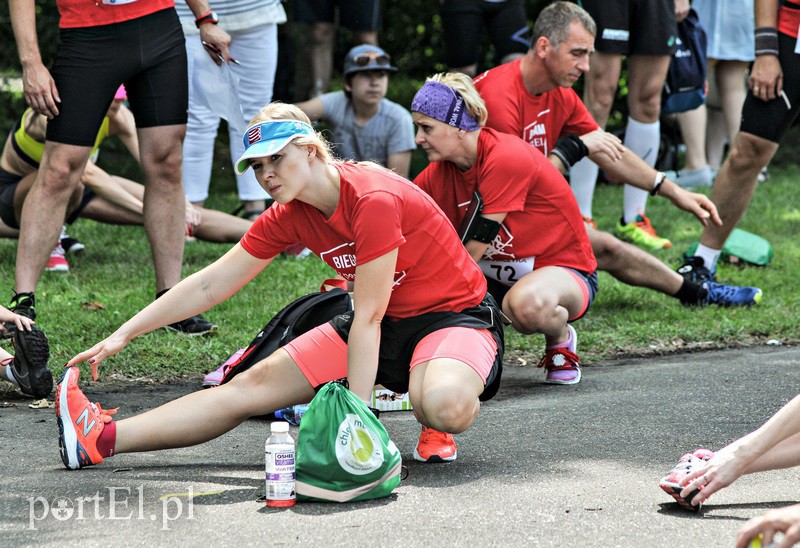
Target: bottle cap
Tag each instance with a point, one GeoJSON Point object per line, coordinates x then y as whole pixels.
{"type": "Point", "coordinates": [279, 427]}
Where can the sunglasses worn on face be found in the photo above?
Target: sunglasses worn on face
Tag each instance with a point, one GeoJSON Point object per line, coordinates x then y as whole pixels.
{"type": "Point", "coordinates": [365, 58]}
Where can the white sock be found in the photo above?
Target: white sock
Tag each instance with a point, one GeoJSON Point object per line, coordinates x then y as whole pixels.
{"type": "Point", "coordinates": [582, 179]}
{"type": "Point", "coordinates": [10, 376]}
{"type": "Point", "coordinates": [709, 256]}
{"type": "Point", "coordinates": [643, 140]}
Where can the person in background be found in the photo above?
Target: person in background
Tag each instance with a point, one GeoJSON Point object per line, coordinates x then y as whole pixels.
{"type": "Point", "coordinates": [366, 125]}
{"type": "Point", "coordinates": [528, 237]}
{"type": "Point", "coordinates": [532, 99]}
{"type": "Point", "coordinates": [253, 28]}
{"type": "Point", "coordinates": [462, 24]}
{"type": "Point", "coordinates": [102, 46]}
{"type": "Point", "coordinates": [645, 33]}
{"type": "Point", "coordinates": [362, 17]}
{"type": "Point", "coordinates": [707, 129]}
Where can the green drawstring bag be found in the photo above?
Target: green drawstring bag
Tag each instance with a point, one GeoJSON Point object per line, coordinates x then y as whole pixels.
{"type": "Point", "coordinates": [344, 453]}
{"type": "Point", "coordinates": [742, 246]}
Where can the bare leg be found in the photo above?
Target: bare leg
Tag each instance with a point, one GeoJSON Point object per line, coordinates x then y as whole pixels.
{"type": "Point", "coordinates": [631, 265]}
{"type": "Point", "coordinates": [732, 91]}
{"type": "Point", "coordinates": [322, 35]}
{"type": "Point", "coordinates": [216, 226]}
{"type": "Point", "coordinates": [736, 184]}
{"type": "Point", "coordinates": [601, 85]}
{"type": "Point", "coordinates": [693, 130]}
{"type": "Point", "coordinates": [164, 201]}
{"type": "Point", "coordinates": [542, 302]}
{"type": "Point", "coordinates": [103, 211]}
{"type": "Point", "coordinates": [273, 383]}
{"type": "Point", "coordinates": [44, 213]}
{"type": "Point", "coordinates": [444, 394]}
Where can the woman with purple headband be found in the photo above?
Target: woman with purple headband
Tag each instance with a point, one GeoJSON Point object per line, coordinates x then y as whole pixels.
{"type": "Point", "coordinates": [518, 219]}
{"type": "Point", "coordinates": [422, 321]}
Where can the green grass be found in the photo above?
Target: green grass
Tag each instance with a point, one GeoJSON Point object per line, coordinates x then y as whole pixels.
{"type": "Point", "coordinates": [115, 270]}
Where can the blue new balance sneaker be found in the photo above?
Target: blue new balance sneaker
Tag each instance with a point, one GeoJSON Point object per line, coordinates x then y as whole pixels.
{"type": "Point", "coordinates": [732, 295]}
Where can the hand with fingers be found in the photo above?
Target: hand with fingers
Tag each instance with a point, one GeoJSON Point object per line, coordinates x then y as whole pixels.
{"type": "Point", "coordinates": [600, 140]}
{"type": "Point", "coordinates": [725, 467]}
{"type": "Point", "coordinates": [783, 520]}
{"type": "Point", "coordinates": [697, 204]}
{"type": "Point", "coordinates": [766, 77]}
{"type": "Point", "coordinates": [40, 90]}
{"type": "Point", "coordinates": [102, 350]}
{"type": "Point", "coordinates": [682, 8]}
{"type": "Point", "coordinates": [217, 43]}
{"type": "Point", "coordinates": [23, 323]}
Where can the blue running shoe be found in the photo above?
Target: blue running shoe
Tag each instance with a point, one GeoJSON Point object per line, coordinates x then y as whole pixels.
{"type": "Point", "coordinates": [732, 295]}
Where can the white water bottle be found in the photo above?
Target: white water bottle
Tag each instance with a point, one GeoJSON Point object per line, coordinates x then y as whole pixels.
{"type": "Point", "coordinates": [279, 456]}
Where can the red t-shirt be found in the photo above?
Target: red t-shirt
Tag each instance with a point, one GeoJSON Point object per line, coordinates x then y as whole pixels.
{"type": "Point", "coordinates": [538, 119]}
{"type": "Point", "coordinates": [379, 211]}
{"type": "Point", "coordinates": [789, 18]}
{"type": "Point", "coordinates": [543, 219]}
{"type": "Point", "coordinates": [93, 13]}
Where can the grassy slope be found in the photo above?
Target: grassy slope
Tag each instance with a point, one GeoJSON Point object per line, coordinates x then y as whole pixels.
{"type": "Point", "coordinates": [115, 271]}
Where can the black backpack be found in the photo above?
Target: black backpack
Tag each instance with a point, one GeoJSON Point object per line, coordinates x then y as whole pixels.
{"type": "Point", "coordinates": [293, 320]}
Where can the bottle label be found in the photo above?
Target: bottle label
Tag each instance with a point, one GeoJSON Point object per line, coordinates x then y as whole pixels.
{"type": "Point", "coordinates": [280, 473]}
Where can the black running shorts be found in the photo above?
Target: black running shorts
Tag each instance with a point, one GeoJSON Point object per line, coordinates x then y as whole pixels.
{"type": "Point", "coordinates": [771, 120]}
{"type": "Point", "coordinates": [633, 27]}
{"type": "Point", "coordinates": [462, 23]}
{"type": "Point", "coordinates": [8, 187]}
{"type": "Point", "coordinates": [353, 14]}
{"type": "Point", "coordinates": [147, 54]}
{"type": "Point", "coordinates": [400, 338]}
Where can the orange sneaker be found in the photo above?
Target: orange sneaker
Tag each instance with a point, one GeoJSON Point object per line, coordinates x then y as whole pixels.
{"type": "Point", "coordinates": [80, 423]}
{"type": "Point", "coordinates": [435, 446]}
{"type": "Point", "coordinates": [589, 221]}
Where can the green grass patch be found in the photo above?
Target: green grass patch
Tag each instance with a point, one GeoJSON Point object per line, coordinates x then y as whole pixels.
{"type": "Point", "coordinates": [116, 271]}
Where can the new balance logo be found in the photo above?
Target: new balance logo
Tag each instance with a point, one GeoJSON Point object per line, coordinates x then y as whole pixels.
{"type": "Point", "coordinates": [87, 426]}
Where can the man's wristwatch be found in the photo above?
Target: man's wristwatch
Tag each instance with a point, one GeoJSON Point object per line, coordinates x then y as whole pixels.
{"type": "Point", "coordinates": [210, 17]}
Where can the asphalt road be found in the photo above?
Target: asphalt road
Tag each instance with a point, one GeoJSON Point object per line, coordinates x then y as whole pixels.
{"type": "Point", "coordinates": [542, 465]}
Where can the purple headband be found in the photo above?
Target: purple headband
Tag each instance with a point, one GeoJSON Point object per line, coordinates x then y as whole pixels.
{"type": "Point", "coordinates": [445, 104]}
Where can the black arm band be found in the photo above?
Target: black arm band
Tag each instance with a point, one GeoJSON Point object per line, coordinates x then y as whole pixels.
{"type": "Point", "coordinates": [482, 230]}
{"type": "Point", "coordinates": [766, 41]}
{"type": "Point", "coordinates": [570, 150]}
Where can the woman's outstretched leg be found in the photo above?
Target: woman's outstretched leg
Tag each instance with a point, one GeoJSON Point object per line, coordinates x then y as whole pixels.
{"type": "Point", "coordinates": [88, 433]}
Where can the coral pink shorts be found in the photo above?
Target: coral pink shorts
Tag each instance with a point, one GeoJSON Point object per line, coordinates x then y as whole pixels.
{"type": "Point", "coordinates": [321, 354]}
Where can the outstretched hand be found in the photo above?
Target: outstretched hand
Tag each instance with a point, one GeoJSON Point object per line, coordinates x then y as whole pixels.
{"type": "Point", "coordinates": [99, 352]}
{"type": "Point", "coordinates": [698, 205]}
{"type": "Point", "coordinates": [783, 520]}
{"type": "Point", "coordinates": [725, 467]}
{"type": "Point", "coordinates": [600, 140]}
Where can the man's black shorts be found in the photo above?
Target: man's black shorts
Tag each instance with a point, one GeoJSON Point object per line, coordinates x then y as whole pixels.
{"type": "Point", "coordinates": [633, 27]}
{"type": "Point", "coordinates": [400, 338]}
{"type": "Point", "coordinates": [8, 187]}
{"type": "Point", "coordinates": [771, 120]}
{"type": "Point", "coordinates": [361, 15]}
{"type": "Point", "coordinates": [462, 23]}
{"type": "Point", "coordinates": [148, 54]}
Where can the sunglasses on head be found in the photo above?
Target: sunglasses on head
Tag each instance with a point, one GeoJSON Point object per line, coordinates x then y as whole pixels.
{"type": "Point", "coordinates": [365, 58]}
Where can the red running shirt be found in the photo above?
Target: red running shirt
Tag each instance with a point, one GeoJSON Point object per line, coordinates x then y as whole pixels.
{"type": "Point", "coordinates": [93, 13]}
{"type": "Point", "coordinates": [789, 19]}
{"type": "Point", "coordinates": [538, 119]}
{"type": "Point", "coordinates": [379, 211]}
{"type": "Point", "coordinates": [542, 220]}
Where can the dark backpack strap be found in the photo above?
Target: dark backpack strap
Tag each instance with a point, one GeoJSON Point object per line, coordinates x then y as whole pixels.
{"type": "Point", "coordinates": [296, 318]}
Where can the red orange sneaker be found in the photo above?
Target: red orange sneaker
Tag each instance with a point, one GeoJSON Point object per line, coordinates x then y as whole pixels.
{"type": "Point", "coordinates": [435, 446]}
{"type": "Point", "coordinates": [80, 423]}
{"type": "Point", "coordinates": [671, 483]}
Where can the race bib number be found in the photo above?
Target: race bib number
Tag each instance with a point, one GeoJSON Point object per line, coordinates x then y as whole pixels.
{"type": "Point", "coordinates": [118, 2]}
{"type": "Point", "coordinates": [507, 272]}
